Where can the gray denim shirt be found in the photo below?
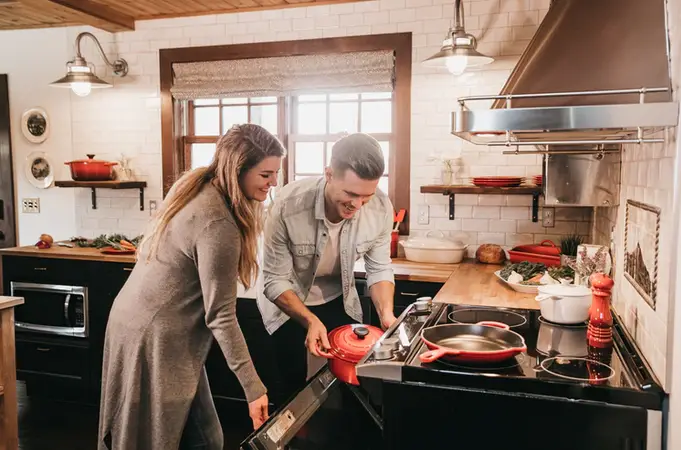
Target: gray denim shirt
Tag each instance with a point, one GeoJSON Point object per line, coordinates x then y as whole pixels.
{"type": "Point", "coordinates": [295, 236]}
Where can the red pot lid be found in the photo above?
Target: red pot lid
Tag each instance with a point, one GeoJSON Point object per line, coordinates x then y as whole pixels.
{"type": "Point", "coordinates": [91, 160]}
{"type": "Point", "coordinates": [351, 342]}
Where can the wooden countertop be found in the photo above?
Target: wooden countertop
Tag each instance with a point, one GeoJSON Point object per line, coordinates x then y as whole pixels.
{"type": "Point", "coordinates": [9, 302]}
{"type": "Point", "coordinates": [81, 253]}
{"type": "Point", "coordinates": [468, 283]}
{"type": "Point", "coordinates": [413, 271]}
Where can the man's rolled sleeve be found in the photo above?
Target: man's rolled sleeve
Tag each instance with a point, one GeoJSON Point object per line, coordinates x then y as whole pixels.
{"type": "Point", "coordinates": [377, 261]}
{"type": "Point", "coordinates": [278, 263]}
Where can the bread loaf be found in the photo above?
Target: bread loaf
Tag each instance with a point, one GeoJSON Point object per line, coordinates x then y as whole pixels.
{"type": "Point", "coordinates": [490, 254]}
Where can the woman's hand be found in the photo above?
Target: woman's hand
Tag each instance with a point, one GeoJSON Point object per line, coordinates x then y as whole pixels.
{"type": "Point", "coordinates": [259, 411]}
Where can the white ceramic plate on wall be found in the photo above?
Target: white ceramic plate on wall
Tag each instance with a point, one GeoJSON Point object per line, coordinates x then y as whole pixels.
{"type": "Point", "coordinates": [39, 170]}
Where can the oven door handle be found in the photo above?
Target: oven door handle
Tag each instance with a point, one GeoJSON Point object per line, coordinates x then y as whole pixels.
{"type": "Point", "coordinates": [66, 309]}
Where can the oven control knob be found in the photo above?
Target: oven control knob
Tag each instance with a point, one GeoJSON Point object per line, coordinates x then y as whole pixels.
{"type": "Point", "coordinates": [392, 343]}
{"type": "Point", "coordinates": [383, 353]}
{"type": "Point", "coordinates": [423, 304]}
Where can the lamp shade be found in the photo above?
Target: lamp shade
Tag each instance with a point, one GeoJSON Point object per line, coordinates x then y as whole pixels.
{"type": "Point", "coordinates": [80, 78]}
{"type": "Point", "coordinates": [457, 53]}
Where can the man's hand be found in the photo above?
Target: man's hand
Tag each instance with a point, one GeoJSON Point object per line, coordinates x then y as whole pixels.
{"type": "Point", "coordinates": [259, 412]}
{"type": "Point", "coordinates": [317, 341]}
{"type": "Point", "coordinates": [387, 320]}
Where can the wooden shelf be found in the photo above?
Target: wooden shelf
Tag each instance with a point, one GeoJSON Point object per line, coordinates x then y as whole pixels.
{"type": "Point", "coordinates": [534, 191]}
{"type": "Point", "coordinates": [468, 189]}
{"type": "Point", "coordinates": [114, 184]}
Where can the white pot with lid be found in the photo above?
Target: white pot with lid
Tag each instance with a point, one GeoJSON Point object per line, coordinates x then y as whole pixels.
{"type": "Point", "coordinates": [564, 303]}
{"type": "Point", "coordinates": [434, 250]}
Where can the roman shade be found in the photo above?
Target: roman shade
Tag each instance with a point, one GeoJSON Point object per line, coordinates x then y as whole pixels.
{"type": "Point", "coordinates": [283, 76]}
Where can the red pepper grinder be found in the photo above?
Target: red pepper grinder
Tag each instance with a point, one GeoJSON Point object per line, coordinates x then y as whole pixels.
{"type": "Point", "coordinates": [599, 333]}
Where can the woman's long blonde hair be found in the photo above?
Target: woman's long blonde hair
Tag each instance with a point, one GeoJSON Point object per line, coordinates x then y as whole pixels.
{"type": "Point", "coordinates": [237, 151]}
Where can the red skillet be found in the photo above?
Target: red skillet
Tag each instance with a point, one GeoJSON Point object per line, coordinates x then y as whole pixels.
{"type": "Point", "coordinates": [484, 342]}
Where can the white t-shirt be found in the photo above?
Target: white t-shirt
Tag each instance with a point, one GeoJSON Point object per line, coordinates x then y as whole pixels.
{"type": "Point", "coordinates": [327, 284]}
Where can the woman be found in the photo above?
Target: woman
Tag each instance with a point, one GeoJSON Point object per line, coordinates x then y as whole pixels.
{"type": "Point", "coordinates": [181, 294]}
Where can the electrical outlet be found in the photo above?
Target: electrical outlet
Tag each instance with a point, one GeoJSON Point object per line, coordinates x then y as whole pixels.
{"type": "Point", "coordinates": [424, 215]}
{"type": "Point", "coordinates": [548, 217]}
{"type": "Point", "coordinates": [152, 207]}
{"type": "Point", "coordinates": [30, 205]}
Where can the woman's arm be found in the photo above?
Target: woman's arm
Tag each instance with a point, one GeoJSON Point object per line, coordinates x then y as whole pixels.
{"type": "Point", "coordinates": [217, 256]}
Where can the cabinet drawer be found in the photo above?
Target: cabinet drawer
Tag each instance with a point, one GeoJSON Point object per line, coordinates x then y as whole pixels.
{"type": "Point", "coordinates": [51, 360]}
{"type": "Point", "coordinates": [406, 292]}
{"type": "Point", "coordinates": [43, 270]}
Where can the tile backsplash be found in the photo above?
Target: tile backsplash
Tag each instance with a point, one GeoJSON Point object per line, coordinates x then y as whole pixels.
{"type": "Point", "coordinates": [647, 177]}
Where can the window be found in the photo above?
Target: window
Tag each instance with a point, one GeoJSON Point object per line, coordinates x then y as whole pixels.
{"type": "Point", "coordinates": [321, 119]}
{"type": "Point", "coordinates": [211, 118]}
{"type": "Point", "coordinates": [308, 124]}
{"type": "Point", "coordinates": [317, 121]}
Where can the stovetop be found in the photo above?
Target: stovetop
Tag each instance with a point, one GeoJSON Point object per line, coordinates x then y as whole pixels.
{"type": "Point", "coordinates": [558, 360]}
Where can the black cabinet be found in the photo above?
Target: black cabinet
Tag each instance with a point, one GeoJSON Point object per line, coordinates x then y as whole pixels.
{"type": "Point", "coordinates": [406, 293]}
{"type": "Point", "coordinates": [223, 382]}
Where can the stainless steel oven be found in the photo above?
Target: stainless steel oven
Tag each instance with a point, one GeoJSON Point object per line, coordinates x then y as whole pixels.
{"type": "Point", "coordinates": [51, 309]}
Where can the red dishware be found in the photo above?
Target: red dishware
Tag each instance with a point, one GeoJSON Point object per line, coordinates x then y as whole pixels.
{"type": "Point", "coordinates": [349, 344]}
{"type": "Point", "coordinates": [91, 169]}
{"type": "Point", "coordinates": [599, 331]}
{"type": "Point", "coordinates": [483, 342]}
{"type": "Point", "coordinates": [546, 252]}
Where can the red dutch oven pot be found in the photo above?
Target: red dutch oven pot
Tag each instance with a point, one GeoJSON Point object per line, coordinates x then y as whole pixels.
{"type": "Point", "coordinates": [91, 169]}
{"type": "Point", "coordinates": [349, 344]}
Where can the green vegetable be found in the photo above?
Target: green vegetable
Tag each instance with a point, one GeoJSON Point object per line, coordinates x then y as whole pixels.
{"type": "Point", "coordinates": [112, 240]}
{"type": "Point", "coordinates": [525, 268]}
{"type": "Point", "coordinates": [558, 272]}
{"type": "Point", "coordinates": [569, 244]}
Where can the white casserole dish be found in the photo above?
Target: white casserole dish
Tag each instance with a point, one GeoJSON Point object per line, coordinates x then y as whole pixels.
{"type": "Point", "coordinates": [564, 303]}
{"type": "Point", "coordinates": [433, 250]}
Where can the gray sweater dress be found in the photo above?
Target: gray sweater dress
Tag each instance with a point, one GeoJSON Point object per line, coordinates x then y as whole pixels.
{"type": "Point", "coordinates": [161, 327]}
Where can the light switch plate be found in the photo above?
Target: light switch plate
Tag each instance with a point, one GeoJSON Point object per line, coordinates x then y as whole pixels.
{"type": "Point", "coordinates": [30, 205]}
{"type": "Point", "coordinates": [548, 217]}
{"type": "Point", "coordinates": [424, 215]}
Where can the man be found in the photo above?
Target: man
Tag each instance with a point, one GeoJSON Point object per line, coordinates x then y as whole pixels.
{"type": "Point", "coordinates": [315, 232]}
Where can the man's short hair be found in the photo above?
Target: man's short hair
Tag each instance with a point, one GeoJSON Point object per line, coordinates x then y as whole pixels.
{"type": "Point", "coordinates": [360, 153]}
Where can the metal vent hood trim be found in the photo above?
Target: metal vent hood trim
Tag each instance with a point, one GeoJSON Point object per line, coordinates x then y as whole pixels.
{"type": "Point", "coordinates": [595, 72]}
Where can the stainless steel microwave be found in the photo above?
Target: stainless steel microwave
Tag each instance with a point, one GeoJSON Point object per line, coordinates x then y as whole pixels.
{"type": "Point", "coordinates": [51, 309]}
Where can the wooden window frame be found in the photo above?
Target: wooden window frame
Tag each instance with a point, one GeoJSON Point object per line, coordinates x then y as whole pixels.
{"type": "Point", "coordinates": [172, 140]}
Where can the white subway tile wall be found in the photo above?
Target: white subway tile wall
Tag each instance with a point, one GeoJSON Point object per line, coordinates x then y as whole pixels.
{"type": "Point", "coordinates": [126, 119]}
{"type": "Point", "coordinates": [647, 176]}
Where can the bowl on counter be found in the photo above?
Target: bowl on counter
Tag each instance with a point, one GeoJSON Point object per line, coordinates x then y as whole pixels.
{"type": "Point", "coordinates": [434, 250]}
{"type": "Point", "coordinates": [522, 288]}
{"type": "Point", "coordinates": [564, 303]}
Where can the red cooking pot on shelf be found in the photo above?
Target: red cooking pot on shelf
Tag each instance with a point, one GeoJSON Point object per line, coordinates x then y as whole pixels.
{"type": "Point", "coordinates": [349, 344]}
{"type": "Point", "coordinates": [91, 169]}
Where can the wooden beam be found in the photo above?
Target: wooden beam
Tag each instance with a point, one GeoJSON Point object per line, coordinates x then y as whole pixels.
{"type": "Point", "coordinates": [87, 12]}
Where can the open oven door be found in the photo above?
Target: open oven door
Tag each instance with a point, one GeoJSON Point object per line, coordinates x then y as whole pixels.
{"type": "Point", "coordinates": [326, 414]}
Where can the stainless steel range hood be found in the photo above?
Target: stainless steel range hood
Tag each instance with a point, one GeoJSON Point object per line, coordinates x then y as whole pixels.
{"type": "Point", "coordinates": [596, 72]}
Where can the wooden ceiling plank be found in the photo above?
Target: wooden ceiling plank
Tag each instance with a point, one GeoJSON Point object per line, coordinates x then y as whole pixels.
{"type": "Point", "coordinates": [99, 12]}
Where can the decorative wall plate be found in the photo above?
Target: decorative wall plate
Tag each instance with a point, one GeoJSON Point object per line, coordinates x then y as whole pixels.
{"type": "Point", "coordinates": [35, 125]}
{"type": "Point", "coordinates": [39, 170]}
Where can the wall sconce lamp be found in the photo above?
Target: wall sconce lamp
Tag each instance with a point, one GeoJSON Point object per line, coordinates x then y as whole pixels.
{"type": "Point", "coordinates": [80, 75]}
{"type": "Point", "coordinates": [458, 49]}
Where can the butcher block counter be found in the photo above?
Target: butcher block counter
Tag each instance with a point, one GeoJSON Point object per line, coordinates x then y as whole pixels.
{"type": "Point", "coordinates": [468, 283]}
{"type": "Point", "coordinates": [8, 383]}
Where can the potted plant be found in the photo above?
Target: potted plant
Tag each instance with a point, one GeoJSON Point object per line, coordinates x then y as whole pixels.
{"type": "Point", "coordinates": [585, 265]}
{"type": "Point", "coordinates": [568, 248]}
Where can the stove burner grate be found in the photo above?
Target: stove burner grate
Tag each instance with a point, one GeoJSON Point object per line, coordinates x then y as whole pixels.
{"type": "Point", "coordinates": [578, 369]}
{"type": "Point", "coordinates": [475, 315]}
